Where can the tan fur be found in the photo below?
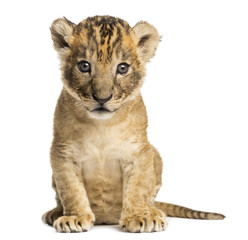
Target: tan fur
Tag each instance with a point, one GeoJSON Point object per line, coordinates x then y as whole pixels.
{"type": "Point", "coordinates": [104, 168]}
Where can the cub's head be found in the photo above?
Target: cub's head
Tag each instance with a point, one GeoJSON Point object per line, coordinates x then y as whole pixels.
{"type": "Point", "coordinates": [103, 60]}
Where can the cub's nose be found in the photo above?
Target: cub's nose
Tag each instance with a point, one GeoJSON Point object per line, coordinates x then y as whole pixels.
{"type": "Point", "coordinates": [102, 100]}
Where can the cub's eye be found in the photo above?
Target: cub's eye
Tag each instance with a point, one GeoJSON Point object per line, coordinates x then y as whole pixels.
{"type": "Point", "coordinates": [122, 68]}
{"type": "Point", "coordinates": [84, 66]}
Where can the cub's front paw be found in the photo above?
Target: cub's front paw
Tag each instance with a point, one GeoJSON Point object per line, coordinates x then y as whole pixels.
{"type": "Point", "coordinates": [50, 216]}
{"type": "Point", "coordinates": [70, 224]}
{"type": "Point", "coordinates": [144, 222]}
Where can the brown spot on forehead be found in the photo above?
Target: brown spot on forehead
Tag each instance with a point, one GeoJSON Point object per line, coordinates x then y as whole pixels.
{"type": "Point", "coordinates": [104, 35]}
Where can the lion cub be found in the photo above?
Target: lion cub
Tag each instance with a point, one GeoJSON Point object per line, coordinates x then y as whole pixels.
{"type": "Point", "coordinates": [104, 168]}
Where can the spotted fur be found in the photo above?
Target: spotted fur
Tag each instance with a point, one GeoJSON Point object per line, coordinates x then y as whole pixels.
{"type": "Point", "coordinates": [104, 168]}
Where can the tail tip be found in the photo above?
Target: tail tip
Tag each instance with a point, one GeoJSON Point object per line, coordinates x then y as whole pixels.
{"type": "Point", "coordinates": [216, 216]}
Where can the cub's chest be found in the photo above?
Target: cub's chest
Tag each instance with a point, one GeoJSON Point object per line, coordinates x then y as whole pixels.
{"type": "Point", "coordinates": [103, 152]}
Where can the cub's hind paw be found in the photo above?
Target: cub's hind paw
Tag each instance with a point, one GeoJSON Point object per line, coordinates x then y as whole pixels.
{"type": "Point", "coordinates": [52, 215]}
{"type": "Point", "coordinates": [70, 224]}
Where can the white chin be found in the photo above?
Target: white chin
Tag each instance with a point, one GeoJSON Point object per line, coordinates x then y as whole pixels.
{"type": "Point", "coordinates": [100, 115]}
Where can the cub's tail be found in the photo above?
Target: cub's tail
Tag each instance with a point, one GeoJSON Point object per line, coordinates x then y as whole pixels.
{"type": "Point", "coordinates": [172, 210]}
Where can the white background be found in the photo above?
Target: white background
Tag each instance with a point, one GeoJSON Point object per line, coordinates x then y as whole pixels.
{"type": "Point", "coordinates": [196, 93]}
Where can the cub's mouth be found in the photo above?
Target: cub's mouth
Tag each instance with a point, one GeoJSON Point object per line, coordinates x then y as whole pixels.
{"type": "Point", "coordinates": [101, 113]}
{"type": "Point", "coordinates": [101, 110]}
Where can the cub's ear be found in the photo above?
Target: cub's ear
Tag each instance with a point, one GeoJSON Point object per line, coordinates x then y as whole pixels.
{"type": "Point", "coordinates": [148, 39]}
{"type": "Point", "coordinates": [61, 30]}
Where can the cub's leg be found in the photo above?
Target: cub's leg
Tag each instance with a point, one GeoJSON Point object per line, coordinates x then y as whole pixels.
{"type": "Point", "coordinates": [77, 214]}
{"type": "Point", "coordinates": [141, 182]}
{"type": "Point", "coordinates": [52, 215]}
